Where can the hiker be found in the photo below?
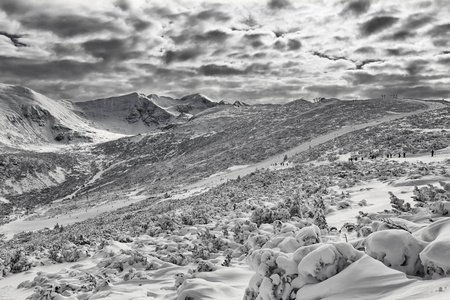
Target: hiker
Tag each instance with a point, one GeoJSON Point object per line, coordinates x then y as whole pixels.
{"type": "Point", "coordinates": [404, 154]}
{"type": "Point", "coordinates": [432, 152]}
{"type": "Point", "coordinates": [399, 155]}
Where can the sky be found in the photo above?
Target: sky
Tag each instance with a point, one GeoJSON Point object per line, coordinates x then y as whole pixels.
{"type": "Point", "coordinates": [258, 51]}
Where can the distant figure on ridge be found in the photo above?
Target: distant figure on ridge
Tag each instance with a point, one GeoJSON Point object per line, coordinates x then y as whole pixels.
{"type": "Point", "coordinates": [432, 152]}
{"type": "Point", "coordinates": [404, 154]}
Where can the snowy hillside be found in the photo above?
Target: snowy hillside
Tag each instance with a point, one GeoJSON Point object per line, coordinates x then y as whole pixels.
{"type": "Point", "coordinates": [295, 201]}
{"type": "Point", "coordinates": [136, 113]}
{"type": "Point", "coordinates": [27, 117]}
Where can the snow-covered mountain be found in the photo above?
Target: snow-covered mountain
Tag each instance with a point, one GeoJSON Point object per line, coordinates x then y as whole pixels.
{"type": "Point", "coordinates": [136, 113]}
{"type": "Point", "coordinates": [131, 114]}
{"type": "Point", "coordinates": [27, 117]}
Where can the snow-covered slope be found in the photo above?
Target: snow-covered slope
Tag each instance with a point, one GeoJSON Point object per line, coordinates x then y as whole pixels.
{"type": "Point", "coordinates": [132, 113]}
{"type": "Point", "coordinates": [137, 113]}
{"type": "Point", "coordinates": [27, 117]}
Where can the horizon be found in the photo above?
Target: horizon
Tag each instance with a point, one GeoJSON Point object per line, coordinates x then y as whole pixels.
{"type": "Point", "coordinates": [240, 50]}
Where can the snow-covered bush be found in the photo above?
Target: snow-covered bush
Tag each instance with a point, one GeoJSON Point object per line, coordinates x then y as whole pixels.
{"type": "Point", "coordinates": [397, 249]}
{"type": "Point", "coordinates": [435, 259]}
{"type": "Point", "coordinates": [435, 255]}
{"type": "Point", "coordinates": [281, 276]}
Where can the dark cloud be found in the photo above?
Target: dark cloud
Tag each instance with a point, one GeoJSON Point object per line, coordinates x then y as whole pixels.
{"type": "Point", "coordinates": [364, 80]}
{"type": "Point", "coordinates": [215, 36]}
{"type": "Point", "coordinates": [278, 4]}
{"type": "Point", "coordinates": [219, 70]}
{"type": "Point", "coordinates": [259, 55]}
{"type": "Point", "coordinates": [325, 90]}
{"type": "Point", "coordinates": [289, 45]}
{"type": "Point", "coordinates": [44, 70]}
{"type": "Point", "coordinates": [360, 65]}
{"type": "Point", "coordinates": [394, 52]}
{"type": "Point", "coordinates": [445, 60]}
{"type": "Point", "coordinates": [416, 21]}
{"type": "Point", "coordinates": [400, 52]}
{"type": "Point", "coordinates": [440, 30]}
{"type": "Point", "coordinates": [365, 50]}
{"type": "Point", "coordinates": [14, 7]}
{"type": "Point", "coordinates": [257, 44]}
{"type": "Point", "coordinates": [377, 24]}
{"type": "Point", "coordinates": [111, 50]}
{"type": "Point", "coordinates": [440, 35]}
{"type": "Point", "coordinates": [213, 14]}
{"type": "Point", "coordinates": [14, 39]}
{"type": "Point", "coordinates": [401, 35]}
{"type": "Point", "coordinates": [68, 25]}
{"type": "Point", "coordinates": [329, 57]}
{"type": "Point", "coordinates": [415, 67]}
{"type": "Point", "coordinates": [123, 5]}
{"type": "Point", "coordinates": [181, 55]}
{"type": "Point", "coordinates": [294, 44]}
{"type": "Point", "coordinates": [357, 7]}
{"type": "Point", "coordinates": [140, 25]}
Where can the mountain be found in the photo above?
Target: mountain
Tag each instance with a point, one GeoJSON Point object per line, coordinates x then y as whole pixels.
{"type": "Point", "coordinates": [190, 104]}
{"type": "Point", "coordinates": [27, 117]}
{"type": "Point", "coordinates": [137, 113]}
{"type": "Point", "coordinates": [130, 114]}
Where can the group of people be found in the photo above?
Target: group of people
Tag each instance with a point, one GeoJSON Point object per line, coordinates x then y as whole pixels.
{"type": "Point", "coordinates": [388, 155]}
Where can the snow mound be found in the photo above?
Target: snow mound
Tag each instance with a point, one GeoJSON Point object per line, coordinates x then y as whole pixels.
{"type": "Point", "coordinates": [281, 274]}
{"type": "Point", "coordinates": [397, 249]}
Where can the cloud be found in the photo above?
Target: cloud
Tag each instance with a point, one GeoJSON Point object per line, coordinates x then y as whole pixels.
{"type": "Point", "coordinates": [44, 70]}
{"type": "Point", "coordinates": [357, 7]}
{"type": "Point", "coordinates": [365, 50]}
{"type": "Point", "coordinates": [294, 44]}
{"type": "Point", "coordinates": [215, 36]}
{"type": "Point", "coordinates": [220, 70]}
{"type": "Point", "coordinates": [401, 35]}
{"type": "Point", "coordinates": [14, 7]}
{"type": "Point", "coordinates": [213, 14]}
{"type": "Point", "coordinates": [278, 4]}
{"type": "Point", "coordinates": [361, 64]}
{"type": "Point", "coordinates": [329, 57]}
{"type": "Point", "coordinates": [111, 49]}
{"type": "Point", "coordinates": [417, 20]}
{"type": "Point", "coordinates": [377, 24]}
{"type": "Point", "coordinates": [269, 49]}
{"type": "Point", "coordinates": [171, 56]}
{"type": "Point", "coordinates": [415, 67]}
{"type": "Point", "coordinates": [440, 30]}
{"type": "Point", "coordinates": [14, 39]}
{"type": "Point", "coordinates": [123, 5]}
{"type": "Point", "coordinates": [440, 35]}
{"type": "Point", "coordinates": [69, 25]}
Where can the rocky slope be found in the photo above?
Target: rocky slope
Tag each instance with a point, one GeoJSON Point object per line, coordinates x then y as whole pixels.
{"type": "Point", "coordinates": [30, 118]}
{"type": "Point", "coordinates": [137, 113]}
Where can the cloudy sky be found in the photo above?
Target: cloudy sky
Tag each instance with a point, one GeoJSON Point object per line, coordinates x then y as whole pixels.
{"type": "Point", "coordinates": [250, 50]}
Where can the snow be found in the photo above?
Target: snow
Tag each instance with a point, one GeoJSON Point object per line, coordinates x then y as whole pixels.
{"type": "Point", "coordinates": [30, 136]}
{"type": "Point", "coordinates": [397, 249]}
{"type": "Point", "coordinates": [293, 262]}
